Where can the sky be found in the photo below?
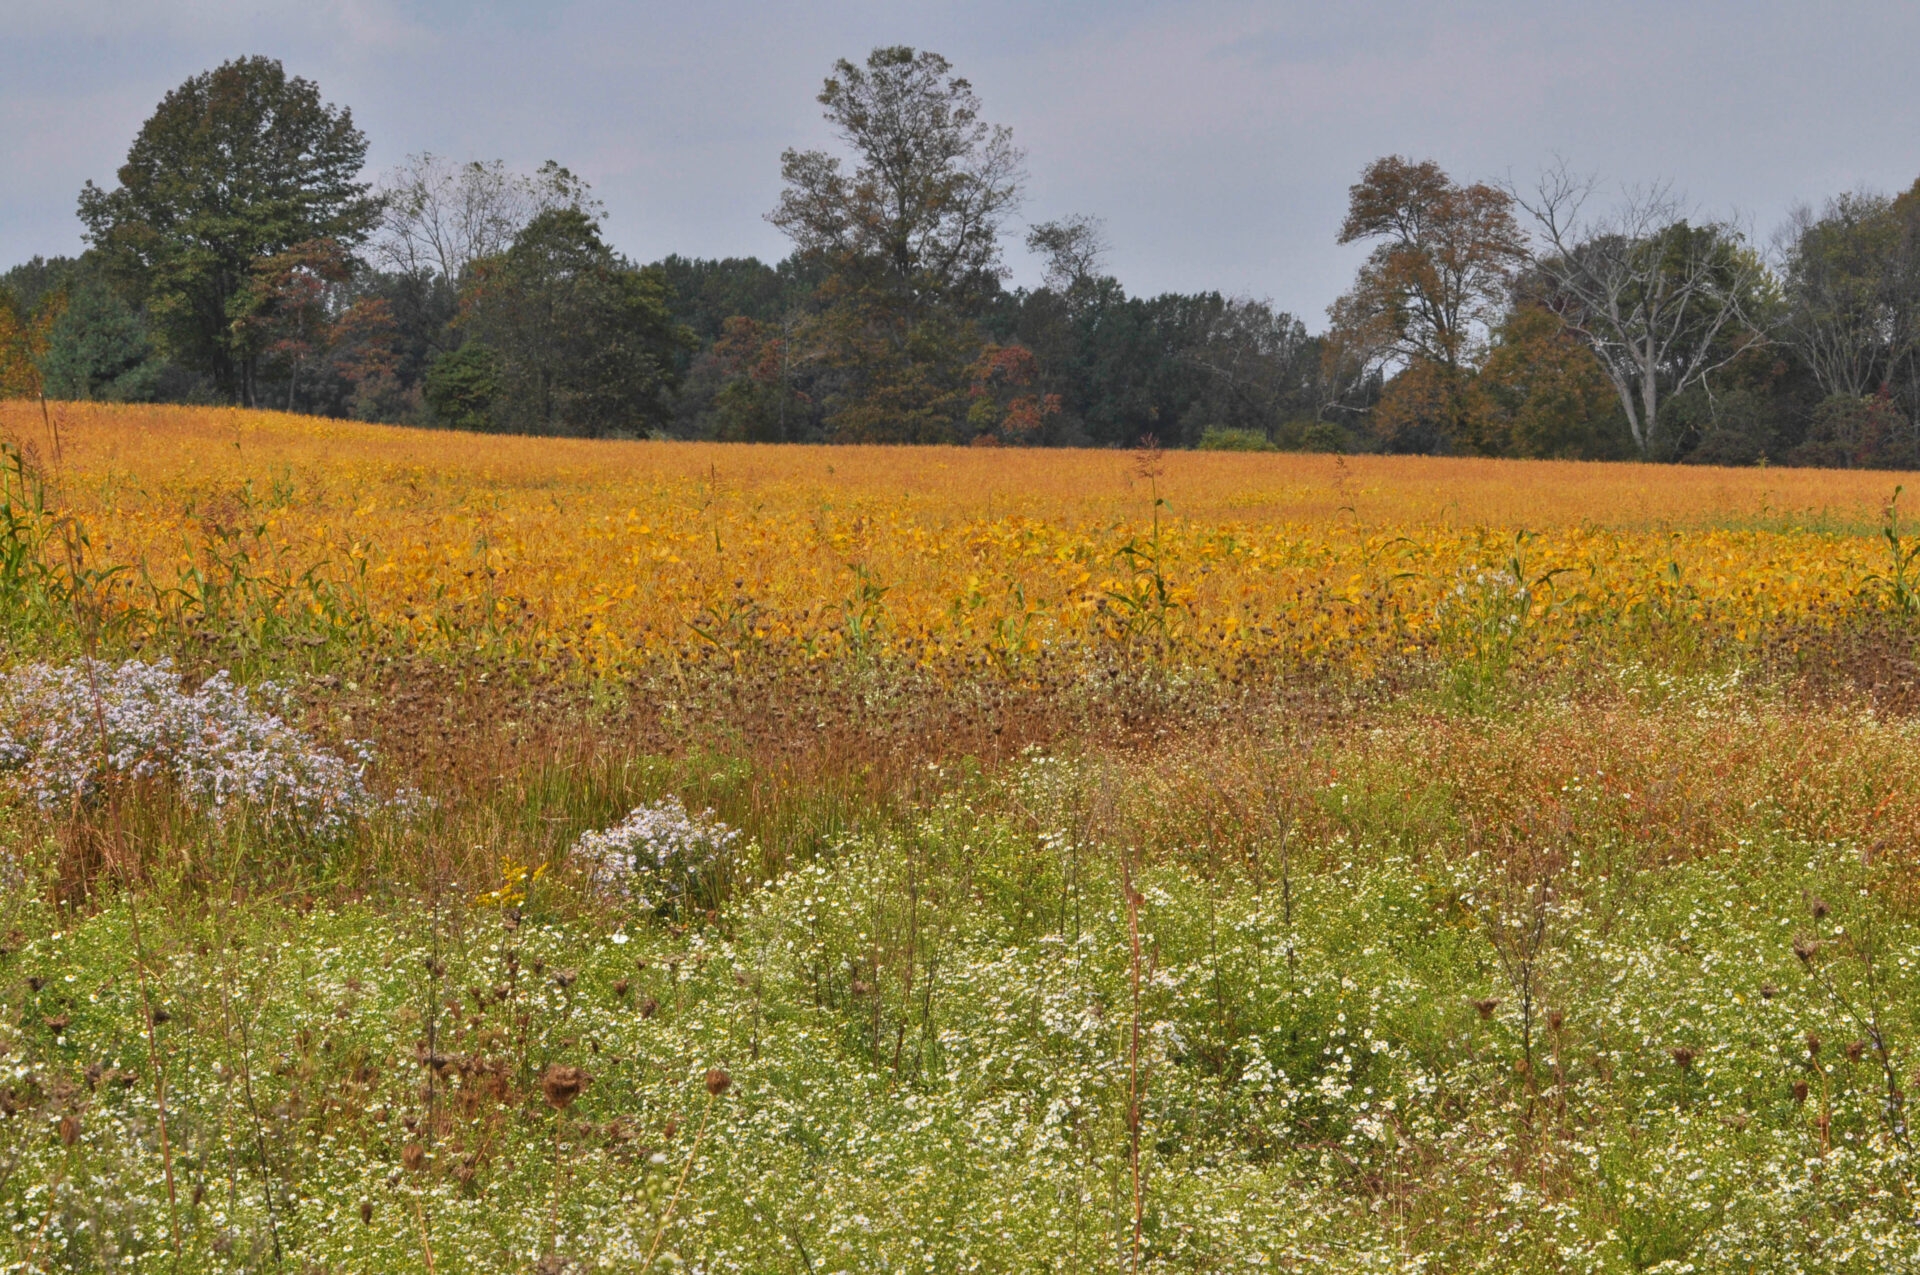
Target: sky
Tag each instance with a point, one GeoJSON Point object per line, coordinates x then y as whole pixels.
{"type": "Point", "coordinates": [1215, 139]}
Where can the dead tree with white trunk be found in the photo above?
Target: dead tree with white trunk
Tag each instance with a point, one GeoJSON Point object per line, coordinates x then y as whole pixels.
{"type": "Point", "coordinates": [1663, 303]}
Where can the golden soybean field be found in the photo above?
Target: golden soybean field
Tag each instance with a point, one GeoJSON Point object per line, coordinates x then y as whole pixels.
{"type": "Point", "coordinates": [623, 555]}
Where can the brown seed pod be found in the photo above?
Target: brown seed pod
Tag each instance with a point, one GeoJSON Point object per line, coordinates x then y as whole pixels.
{"type": "Point", "coordinates": [1819, 908]}
{"type": "Point", "coordinates": [413, 1156]}
{"type": "Point", "coordinates": [620, 987]}
{"type": "Point", "coordinates": [563, 979]}
{"type": "Point", "coordinates": [1813, 1045]}
{"type": "Point", "coordinates": [649, 1007]}
{"type": "Point", "coordinates": [718, 1081]}
{"type": "Point", "coordinates": [1556, 1020]}
{"type": "Point", "coordinates": [562, 1083]}
{"type": "Point", "coordinates": [670, 1128]}
{"type": "Point", "coordinates": [1682, 1056]}
{"type": "Point", "coordinates": [1768, 991]}
{"type": "Point", "coordinates": [1856, 1050]}
{"type": "Point", "coordinates": [1486, 1006]}
{"type": "Point", "coordinates": [366, 1212]}
{"type": "Point", "coordinates": [69, 1129]}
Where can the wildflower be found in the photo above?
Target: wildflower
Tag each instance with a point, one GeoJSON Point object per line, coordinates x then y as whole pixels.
{"type": "Point", "coordinates": [68, 732]}
{"type": "Point", "coordinates": [658, 855]}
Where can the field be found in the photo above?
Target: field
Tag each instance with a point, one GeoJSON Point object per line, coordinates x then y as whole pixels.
{"type": "Point", "coordinates": [468, 853]}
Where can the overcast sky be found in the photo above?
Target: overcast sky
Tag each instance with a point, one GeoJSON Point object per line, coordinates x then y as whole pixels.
{"type": "Point", "coordinates": [1216, 139]}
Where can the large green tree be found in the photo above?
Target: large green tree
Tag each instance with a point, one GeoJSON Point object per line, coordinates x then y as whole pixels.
{"type": "Point", "coordinates": [236, 166]}
{"type": "Point", "coordinates": [581, 342]}
{"type": "Point", "coordinates": [911, 238]}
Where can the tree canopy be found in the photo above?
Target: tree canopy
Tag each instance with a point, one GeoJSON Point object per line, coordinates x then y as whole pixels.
{"type": "Point", "coordinates": [235, 166]}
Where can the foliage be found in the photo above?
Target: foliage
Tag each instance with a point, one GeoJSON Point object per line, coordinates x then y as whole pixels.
{"type": "Point", "coordinates": [235, 166]}
{"type": "Point", "coordinates": [670, 555]}
{"type": "Point", "coordinates": [1431, 287]}
{"type": "Point", "coordinates": [582, 342]}
{"type": "Point", "coordinates": [1234, 440]}
{"type": "Point", "coordinates": [461, 386]}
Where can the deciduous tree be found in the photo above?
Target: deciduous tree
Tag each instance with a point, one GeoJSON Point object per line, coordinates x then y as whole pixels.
{"type": "Point", "coordinates": [236, 165]}
{"type": "Point", "coordinates": [584, 342]}
{"type": "Point", "coordinates": [1662, 303]}
{"type": "Point", "coordinates": [1434, 284]}
{"type": "Point", "coordinates": [910, 238]}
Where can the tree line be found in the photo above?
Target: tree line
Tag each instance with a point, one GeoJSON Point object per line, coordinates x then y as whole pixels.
{"type": "Point", "coordinates": [244, 257]}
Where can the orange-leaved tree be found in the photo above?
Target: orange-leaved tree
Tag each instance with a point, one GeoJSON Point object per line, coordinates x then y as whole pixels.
{"type": "Point", "coordinates": [1434, 284]}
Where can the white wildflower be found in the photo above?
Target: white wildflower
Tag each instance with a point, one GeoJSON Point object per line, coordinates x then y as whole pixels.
{"type": "Point", "coordinates": [68, 732]}
{"type": "Point", "coordinates": [658, 854]}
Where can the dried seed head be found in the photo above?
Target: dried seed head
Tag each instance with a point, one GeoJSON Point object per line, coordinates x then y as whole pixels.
{"type": "Point", "coordinates": [1813, 1045]}
{"type": "Point", "coordinates": [649, 1007]}
{"type": "Point", "coordinates": [366, 1212]}
{"type": "Point", "coordinates": [1556, 1020]}
{"type": "Point", "coordinates": [1768, 991]}
{"type": "Point", "coordinates": [562, 1084]}
{"type": "Point", "coordinates": [718, 1081]}
{"type": "Point", "coordinates": [1682, 1056]}
{"type": "Point", "coordinates": [413, 1156]}
{"type": "Point", "coordinates": [1805, 950]}
{"type": "Point", "coordinates": [1819, 908]}
{"type": "Point", "coordinates": [161, 1016]}
{"type": "Point", "coordinates": [1486, 1006]}
{"type": "Point", "coordinates": [667, 1130]}
{"type": "Point", "coordinates": [1856, 1050]}
{"type": "Point", "coordinates": [69, 1129]}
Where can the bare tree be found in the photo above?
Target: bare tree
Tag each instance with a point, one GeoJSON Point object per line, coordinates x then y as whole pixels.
{"type": "Point", "coordinates": [1074, 247]}
{"type": "Point", "coordinates": [441, 217]}
{"type": "Point", "coordinates": [1652, 295]}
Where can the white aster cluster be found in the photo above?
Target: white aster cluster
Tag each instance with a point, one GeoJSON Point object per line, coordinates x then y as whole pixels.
{"type": "Point", "coordinates": [70, 732]}
{"type": "Point", "coordinates": [659, 855]}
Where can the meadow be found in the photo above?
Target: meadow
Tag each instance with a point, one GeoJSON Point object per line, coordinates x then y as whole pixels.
{"type": "Point", "coordinates": [455, 852]}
